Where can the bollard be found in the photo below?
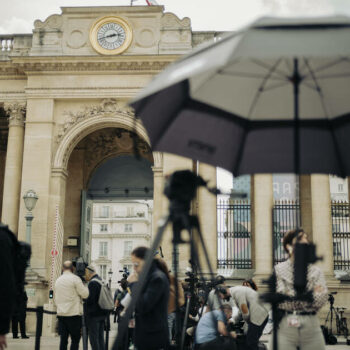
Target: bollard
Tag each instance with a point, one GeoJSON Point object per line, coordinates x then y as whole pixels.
{"type": "Point", "coordinates": [39, 326]}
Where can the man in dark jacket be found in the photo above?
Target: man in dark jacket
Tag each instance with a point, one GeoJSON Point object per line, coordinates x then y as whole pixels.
{"type": "Point", "coordinates": [151, 313]}
{"type": "Point", "coordinates": [95, 316]}
{"type": "Point", "coordinates": [8, 243]}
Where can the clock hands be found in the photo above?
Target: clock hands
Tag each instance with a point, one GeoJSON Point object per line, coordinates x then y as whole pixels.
{"type": "Point", "coordinates": [110, 36]}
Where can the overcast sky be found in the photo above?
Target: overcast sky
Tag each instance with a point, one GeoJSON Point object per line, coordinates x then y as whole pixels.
{"type": "Point", "coordinates": [18, 16]}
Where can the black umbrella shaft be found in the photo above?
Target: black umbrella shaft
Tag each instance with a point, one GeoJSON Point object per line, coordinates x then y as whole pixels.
{"type": "Point", "coordinates": [296, 79]}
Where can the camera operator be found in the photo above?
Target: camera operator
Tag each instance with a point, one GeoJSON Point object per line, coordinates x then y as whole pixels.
{"type": "Point", "coordinates": [299, 327]}
{"type": "Point", "coordinates": [213, 298]}
{"type": "Point", "coordinates": [254, 313]}
{"type": "Point", "coordinates": [69, 292]}
{"type": "Point", "coordinates": [14, 257]}
{"type": "Point", "coordinates": [211, 332]}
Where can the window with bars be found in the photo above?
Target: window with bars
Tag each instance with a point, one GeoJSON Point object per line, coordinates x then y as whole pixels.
{"type": "Point", "coordinates": [127, 248]}
{"type": "Point", "coordinates": [103, 251]}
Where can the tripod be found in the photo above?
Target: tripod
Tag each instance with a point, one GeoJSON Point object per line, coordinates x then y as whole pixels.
{"type": "Point", "coordinates": [180, 190]}
{"type": "Point", "coordinates": [341, 324]}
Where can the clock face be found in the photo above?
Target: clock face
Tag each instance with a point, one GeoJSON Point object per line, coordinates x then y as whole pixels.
{"type": "Point", "coordinates": [111, 36]}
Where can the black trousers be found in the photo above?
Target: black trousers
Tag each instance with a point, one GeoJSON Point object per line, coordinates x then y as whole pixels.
{"type": "Point", "coordinates": [253, 335]}
{"type": "Point", "coordinates": [21, 319]}
{"type": "Point", "coordinates": [219, 343]}
{"type": "Point", "coordinates": [69, 326]}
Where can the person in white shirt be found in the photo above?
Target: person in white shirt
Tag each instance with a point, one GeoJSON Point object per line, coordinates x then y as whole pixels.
{"type": "Point", "coordinates": [69, 292]}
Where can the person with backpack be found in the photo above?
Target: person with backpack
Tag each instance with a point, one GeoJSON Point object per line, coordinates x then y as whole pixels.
{"type": "Point", "coordinates": [99, 304]}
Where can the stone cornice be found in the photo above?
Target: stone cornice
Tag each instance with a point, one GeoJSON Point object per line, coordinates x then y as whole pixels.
{"type": "Point", "coordinates": [121, 64]}
{"type": "Point", "coordinates": [121, 235]}
{"type": "Point", "coordinates": [16, 111]}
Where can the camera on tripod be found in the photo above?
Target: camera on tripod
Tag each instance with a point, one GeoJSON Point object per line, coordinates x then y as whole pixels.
{"type": "Point", "coordinates": [125, 274]}
{"type": "Point", "coordinates": [331, 297]}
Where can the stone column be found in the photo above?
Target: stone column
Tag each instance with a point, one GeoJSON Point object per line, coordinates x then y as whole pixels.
{"type": "Point", "coordinates": [262, 227]}
{"type": "Point", "coordinates": [322, 221]}
{"type": "Point", "coordinates": [305, 203]}
{"type": "Point", "coordinates": [207, 215]}
{"type": "Point", "coordinates": [158, 186]}
{"type": "Point", "coordinates": [13, 168]}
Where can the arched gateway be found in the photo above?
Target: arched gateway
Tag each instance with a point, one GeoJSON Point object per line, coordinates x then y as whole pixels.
{"type": "Point", "coordinates": [63, 111]}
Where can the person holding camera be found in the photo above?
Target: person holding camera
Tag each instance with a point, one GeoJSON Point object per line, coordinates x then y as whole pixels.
{"type": "Point", "coordinates": [254, 313]}
{"type": "Point", "coordinates": [69, 292]}
{"type": "Point", "coordinates": [299, 327]}
{"type": "Point", "coordinates": [211, 332]}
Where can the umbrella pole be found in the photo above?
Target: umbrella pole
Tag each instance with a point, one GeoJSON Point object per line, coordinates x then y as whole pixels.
{"type": "Point", "coordinates": [296, 80]}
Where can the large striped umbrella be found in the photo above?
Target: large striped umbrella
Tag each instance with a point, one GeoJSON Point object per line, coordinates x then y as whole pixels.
{"type": "Point", "coordinates": [273, 97]}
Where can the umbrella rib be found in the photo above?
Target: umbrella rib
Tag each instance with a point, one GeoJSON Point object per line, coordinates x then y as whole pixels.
{"type": "Point", "coordinates": [320, 93]}
{"type": "Point", "coordinates": [256, 97]}
{"type": "Point", "coordinates": [328, 65]}
{"type": "Point", "coordinates": [248, 75]}
{"type": "Point", "coordinates": [266, 66]}
{"type": "Point", "coordinates": [261, 87]}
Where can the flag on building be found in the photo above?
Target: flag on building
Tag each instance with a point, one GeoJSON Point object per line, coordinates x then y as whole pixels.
{"type": "Point", "coordinates": [151, 2]}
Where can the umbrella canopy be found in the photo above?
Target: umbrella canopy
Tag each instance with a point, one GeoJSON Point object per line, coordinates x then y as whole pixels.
{"type": "Point", "coordinates": [273, 97]}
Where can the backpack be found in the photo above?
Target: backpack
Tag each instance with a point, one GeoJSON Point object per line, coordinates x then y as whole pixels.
{"type": "Point", "coordinates": [105, 299]}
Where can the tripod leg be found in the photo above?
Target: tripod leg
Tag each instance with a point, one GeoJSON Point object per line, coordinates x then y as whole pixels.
{"type": "Point", "coordinates": [141, 282]}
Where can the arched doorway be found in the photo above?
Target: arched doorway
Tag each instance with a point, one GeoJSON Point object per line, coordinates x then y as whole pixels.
{"type": "Point", "coordinates": [103, 172]}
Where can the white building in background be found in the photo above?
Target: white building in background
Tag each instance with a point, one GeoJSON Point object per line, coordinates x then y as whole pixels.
{"type": "Point", "coordinates": [117, 228]}
{"type": "Point", "coordinates": [338, 188]}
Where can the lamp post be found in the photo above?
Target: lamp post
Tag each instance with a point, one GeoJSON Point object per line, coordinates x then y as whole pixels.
{"type": "Point", "coordinates": [30, 199]}
{"type": "Point", "coordinates": [110, 273]}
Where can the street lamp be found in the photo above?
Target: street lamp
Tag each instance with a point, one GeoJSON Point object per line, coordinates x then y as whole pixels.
{"type": "Point", "coordinates": [110, 273]}
{"type": "Point", "coordinates": [30, 199]}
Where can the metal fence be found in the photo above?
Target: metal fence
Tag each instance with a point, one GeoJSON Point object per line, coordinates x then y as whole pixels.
{"type": "Point", "coordinates": [234, 234]}
{"type": "Point", "coordinates": [285, 216]}
{"type": "Point", "coordinates": [341, 235]}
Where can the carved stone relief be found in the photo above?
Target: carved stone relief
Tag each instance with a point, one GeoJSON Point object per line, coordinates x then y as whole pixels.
{"type": "Point", "coordinates": [52, 22]}
{"type": "Point", "coordinates": [109, 143]}
{"type": "Point", "coordinates": [146, 37]}
{"type": "Point", "coordinates": [76, 39]}
{"type": "Point", "coordinates": [16, 111]}
{"type": "Point", "coordinates": [106, 107]}
{"type": "Point", "coordinates": [170, 21]}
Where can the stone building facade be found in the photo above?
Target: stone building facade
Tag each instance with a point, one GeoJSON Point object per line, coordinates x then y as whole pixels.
{"type": "Point", "coordinates": [62, 101]}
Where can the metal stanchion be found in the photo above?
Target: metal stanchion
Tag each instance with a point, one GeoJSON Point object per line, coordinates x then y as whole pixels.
{"type": "Point", "coordinates": [39, 326]}
{"type": "Point", "coordinates": [39, 322]}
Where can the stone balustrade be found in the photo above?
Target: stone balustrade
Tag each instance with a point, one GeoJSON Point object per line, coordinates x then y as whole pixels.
{"type": "Point", "coordinates": [18, 44]}
{"type": "Point", "coordinates": [6, 42]}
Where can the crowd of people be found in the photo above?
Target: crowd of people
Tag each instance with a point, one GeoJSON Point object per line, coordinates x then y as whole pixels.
{"type": "Point", "coordinates": [221, 318]}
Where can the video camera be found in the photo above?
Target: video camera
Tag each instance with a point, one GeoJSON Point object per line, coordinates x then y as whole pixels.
{"type": "Point", "coordinates": [80, 266]}
{"type": "Point", "coordinates": [331, 297]}
{"type": "Point", "coordinates": [125, 274]}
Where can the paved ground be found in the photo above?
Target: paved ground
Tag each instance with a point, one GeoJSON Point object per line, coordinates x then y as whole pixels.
{"type": "Point", "coordinates": [53, 342]}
